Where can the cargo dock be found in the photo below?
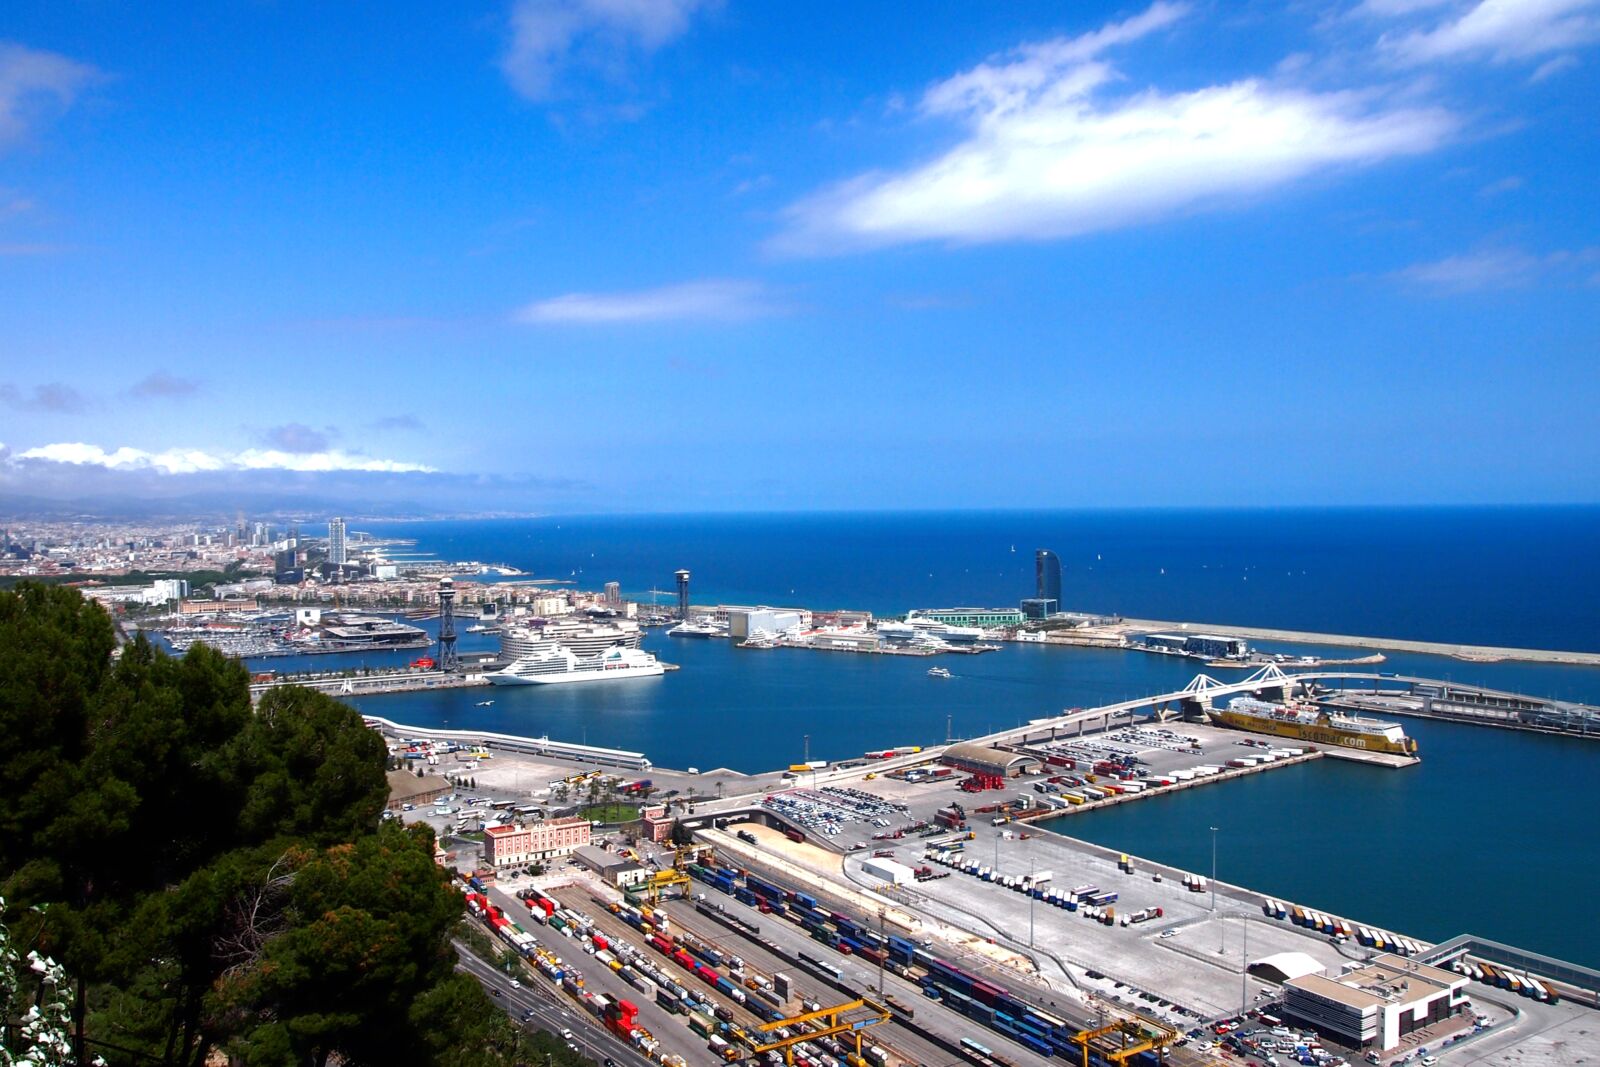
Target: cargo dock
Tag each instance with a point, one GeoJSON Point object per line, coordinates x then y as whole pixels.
{"type": "Point", "coordinates": [899, 847]}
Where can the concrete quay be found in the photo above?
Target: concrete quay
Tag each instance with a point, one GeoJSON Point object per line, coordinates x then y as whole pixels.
{"type": "Point", "coordinates": [401, 681]}
{"type": "Point", "coordinates": [1473, 653]}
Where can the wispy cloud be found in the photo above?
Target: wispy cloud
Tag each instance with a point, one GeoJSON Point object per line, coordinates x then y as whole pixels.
{"type": "Point", "coordinates": [298, 438]}
{"type": "Point", "coordinates": [716, 299]}
{"type": "Point", "coordinates": [1509, 184]}
{"type": "Point", "coordinates": [548, 36]}
{"type": "Point", "coordinates": [30, 248]}
{"type": "Point", "coordinates": [390, 423]}
{"type": "Point", "coordinates": [1498, 30]}
{"type": "Point", "coordinates": [51, 397]}
{"type": "Point", "coordinates": [159, 385]}
{"type": "Point", "coordinates": [34, 83]}
{"type": "Point", "coordinates": [1496, 268]}
{"type": "Point", "coordinates": [1551, 67]}
{"type": "Point", "coordinates": [194, 461]}
{"type": "Point", "coordinates": [1048, 153]}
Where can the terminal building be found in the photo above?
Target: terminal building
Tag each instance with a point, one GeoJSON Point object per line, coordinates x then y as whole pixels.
{"type": "Point", "coordinates": [512, 846]}
{"type": "Point", "coordinates": [1209, 646]}
{"type": "Point", "coordinates": [981, 759]}
{"type": "Point", "coordinates": [1038, 608]}
{"type": "Point", "coordinates": [1374, 1005]}
{"type": "Point", "coordinates": [746, 622]}
{"type": "Point", "coordinates": [986, 618]}
{"type": "Point", "coordinates": [614, 869]}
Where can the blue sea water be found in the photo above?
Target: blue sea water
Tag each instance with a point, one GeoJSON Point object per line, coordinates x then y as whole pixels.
{"type": "Point", "coordinates": [1481, 838]}
{"type": "Point", "coordinates": [1476, 839]}
{"type": "Point", "coordinates": [1515, 576]}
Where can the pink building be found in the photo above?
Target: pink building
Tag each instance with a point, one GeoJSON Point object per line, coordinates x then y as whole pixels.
{"type": "Point", "coordinates": [510, 846]}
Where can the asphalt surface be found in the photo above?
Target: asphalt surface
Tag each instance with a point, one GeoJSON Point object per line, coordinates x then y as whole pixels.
{"type": "Point", "coordinates": [548, 1013]}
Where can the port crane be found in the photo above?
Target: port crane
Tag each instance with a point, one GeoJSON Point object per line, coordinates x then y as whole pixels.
{"type": "Point", "coordinates": [1128, 1038]}
{"type": "Point", "coordinates": [862, 1014]}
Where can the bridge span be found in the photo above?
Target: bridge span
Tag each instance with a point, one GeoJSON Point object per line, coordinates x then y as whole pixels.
{"type": "Point", "coordinates": [1393, 694]}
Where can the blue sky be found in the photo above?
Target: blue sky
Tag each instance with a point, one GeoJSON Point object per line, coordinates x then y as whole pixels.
{"type": "Point", "coordinates": [637, 255]}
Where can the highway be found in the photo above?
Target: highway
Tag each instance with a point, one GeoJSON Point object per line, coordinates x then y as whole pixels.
{"type": "Point", "coordinates": [551, 1010]}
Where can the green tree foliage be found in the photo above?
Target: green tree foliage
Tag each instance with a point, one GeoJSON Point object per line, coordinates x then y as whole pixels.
{"type": "Point", "coordinates": [211, 876]}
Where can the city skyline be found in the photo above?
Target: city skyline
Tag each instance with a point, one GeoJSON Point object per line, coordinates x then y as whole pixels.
{"type": "Point", "coordinates": [671, 255]}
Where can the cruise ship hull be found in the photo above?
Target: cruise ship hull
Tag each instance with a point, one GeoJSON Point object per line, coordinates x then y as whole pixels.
{"type": "Point", "coordinates": [1314, 733]}
{"type": "Point", "coordinates": [615, 674]}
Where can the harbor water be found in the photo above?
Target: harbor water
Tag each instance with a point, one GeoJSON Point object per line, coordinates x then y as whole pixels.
{"type": "Point", "coordinates": [1421, 851]}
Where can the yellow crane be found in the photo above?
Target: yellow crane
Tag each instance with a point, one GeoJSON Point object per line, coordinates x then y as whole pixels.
{"type": "Point", "coordinates": [865, 1013]}
{"type": "Point", "coordinates": [1133, 1037]}
{"type": "Point", "coordinates": [664, 881]}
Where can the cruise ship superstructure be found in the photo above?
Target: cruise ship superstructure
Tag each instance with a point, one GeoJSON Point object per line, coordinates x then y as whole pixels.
{"type": "Point", "coordinates": [583, 638]}
{"type": "Point", "coordinates": [557, 665]}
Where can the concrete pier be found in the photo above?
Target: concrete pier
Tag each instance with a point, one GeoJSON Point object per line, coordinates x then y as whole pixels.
{"type": "Point", "coordinates": [1475, 653]}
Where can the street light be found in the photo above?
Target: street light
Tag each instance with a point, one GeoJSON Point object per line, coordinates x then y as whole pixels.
{"type": "Point", "coordinates": [1244, 971]}
{"type": "Point", "coordinates": [1213, 868]}
{"type": "Point", "coordinates": [1222, 931]}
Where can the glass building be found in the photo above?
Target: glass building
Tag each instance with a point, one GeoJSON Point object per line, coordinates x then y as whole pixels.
{"type": "Point", "coordinates": [1047, 576]}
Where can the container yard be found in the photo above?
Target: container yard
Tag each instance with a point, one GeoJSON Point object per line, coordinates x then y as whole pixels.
{"type": "Point", "coordinates": [915, 864]}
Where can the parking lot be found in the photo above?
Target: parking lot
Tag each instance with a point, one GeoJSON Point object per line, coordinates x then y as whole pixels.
{"type": "Point", "coordinates": [832, 809]}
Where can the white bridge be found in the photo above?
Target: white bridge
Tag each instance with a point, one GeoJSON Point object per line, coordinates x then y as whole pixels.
{"type": "Point", "coordinates": [1475, 702]}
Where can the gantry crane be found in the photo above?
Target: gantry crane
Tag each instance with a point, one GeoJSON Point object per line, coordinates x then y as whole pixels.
{"type": "Point", "coordinates": [867, 1012]}
{"type": "Point", "coordinates": [662, 882]}
{"type": "Point", "coordinates": [1134, 1037]}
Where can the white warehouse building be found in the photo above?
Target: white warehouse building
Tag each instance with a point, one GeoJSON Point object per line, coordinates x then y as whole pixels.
{"type": "Point", "coordinates": [888, 871]}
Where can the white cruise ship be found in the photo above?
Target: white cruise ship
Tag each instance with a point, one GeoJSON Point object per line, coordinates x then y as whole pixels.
{"type": "Point", "coordinates": [928, 633]}
{"type": "Point", "coordinates": [556, 665]}
{"type": "Point", "coordinates": [586, 639]}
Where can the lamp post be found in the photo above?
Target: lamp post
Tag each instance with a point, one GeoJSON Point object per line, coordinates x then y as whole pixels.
{"type": "Point", "coordinates": [1244, 971]}
{"type": "Point", "coordinates": [1213, 868]}
{"type": "Point", "coordinates": [1222, 931]}
{"type": "Point", "coordinates": [882, 912]}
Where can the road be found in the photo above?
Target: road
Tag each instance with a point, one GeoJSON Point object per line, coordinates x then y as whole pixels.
{"type": "Point", "coordinates": [670, 1030]}
{"type": "Point", "coordinates": [548, 1013]}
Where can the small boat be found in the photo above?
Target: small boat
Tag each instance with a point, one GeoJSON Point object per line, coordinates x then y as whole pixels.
{"type": "Point", "coordinates": [939, 672]}
{"type": "Point", "coordinates": [485, 704]}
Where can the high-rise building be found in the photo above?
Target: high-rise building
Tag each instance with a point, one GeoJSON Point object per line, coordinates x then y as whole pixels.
{"type": "Point", "coordinates": [336, 549]}
{"type": "Point", "coordinates": [1047, 576]}
{"type": "Point", "coordinates": [683, 594]}
{"type": "Point", "coordinates": [614, 594]}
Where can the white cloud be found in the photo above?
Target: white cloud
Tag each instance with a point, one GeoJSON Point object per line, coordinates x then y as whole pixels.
{"type": "Point", "coordinates": [1509, 184]}
{"type": "Point", "coordinates": [1495, 268]}
{"type": "Point", "coordinates": [1551, 67]}
{"type": "Point", "coordinates": [711, 299]}
{"type": "Point", "coordinates": [1500, 30]}
{"type": "Point", "coordinates": [1047, 154]}
{"type": "Point", "coordinates": [195, 461]}
{"type": "Point", "coordinates": [31, 80]}
{"type": "Point", "coordinates": [1392, 8]}
{"type": "Point", "coordinates": [548, 35]}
